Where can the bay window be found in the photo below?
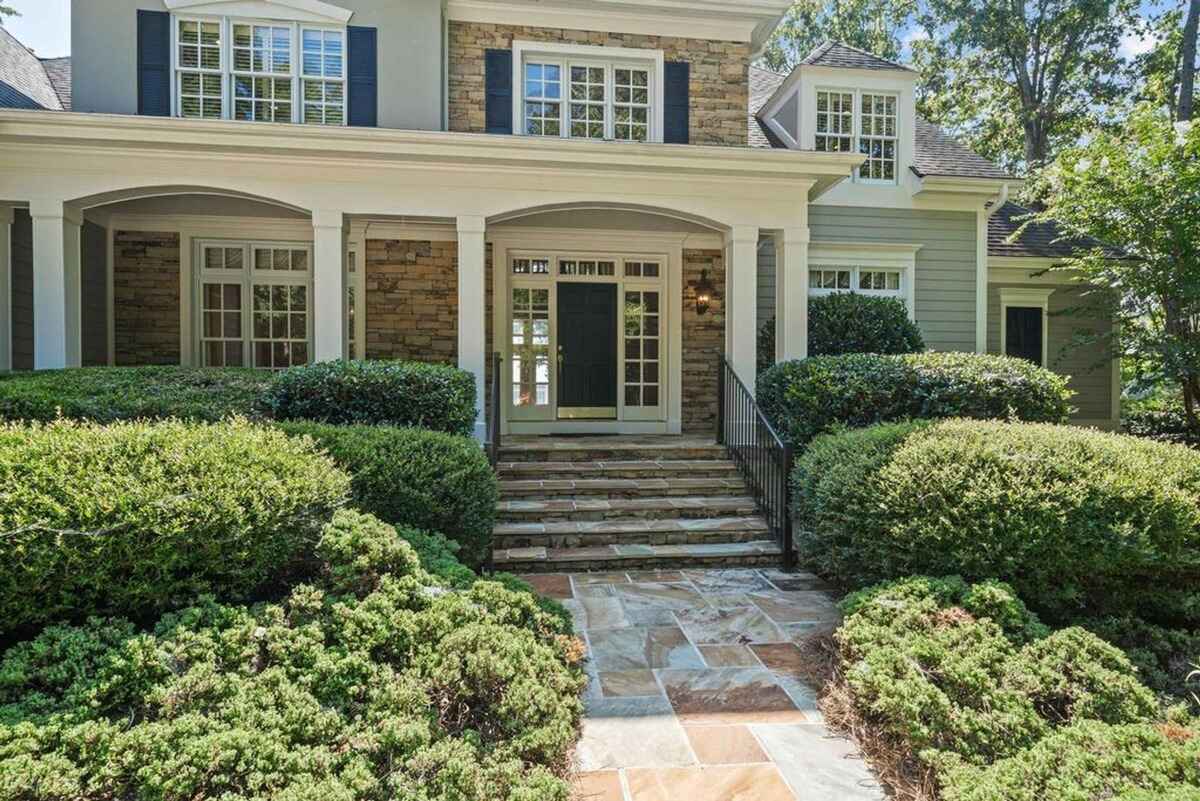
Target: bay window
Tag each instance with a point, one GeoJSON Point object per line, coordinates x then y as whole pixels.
{"type": "Point", "coordinates": [849, 121]}
{"type": "Point", "coordinates": [260, 71]}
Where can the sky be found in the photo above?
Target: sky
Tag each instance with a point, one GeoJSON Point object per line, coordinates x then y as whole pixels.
{"type": "Point", "coordinates": [45, 26]}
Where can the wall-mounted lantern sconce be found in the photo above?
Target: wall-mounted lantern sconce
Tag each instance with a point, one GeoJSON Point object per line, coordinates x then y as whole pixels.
{"type": "Point", "coordinates": [704, 293]}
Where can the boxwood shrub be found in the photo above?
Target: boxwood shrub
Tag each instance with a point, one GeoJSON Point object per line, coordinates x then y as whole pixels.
{"type": "Point", "coordinates": [369, 683]}
{"type": "Point", "coordinates": [1079, 521]}
{"type": "Point", "coordinates": [416, 478]}
{"type": "Point", "coordinates": [807, 397]}
{"type": "Point", "coordinates": [848, 322]}
{"type": "Point", "coordinates": [433, 396]}
{"type": "Point", "coordinates": [135, 518]}
{"type": "Point", "coordinates": [994, 705]}
{"type": "Point", "coordinates": [106, 394]}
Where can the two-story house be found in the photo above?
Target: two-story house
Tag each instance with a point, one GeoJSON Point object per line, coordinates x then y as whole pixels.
{"type": "Point", "coordinates": [605, 195]}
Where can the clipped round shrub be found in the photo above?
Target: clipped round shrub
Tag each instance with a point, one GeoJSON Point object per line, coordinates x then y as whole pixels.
{"type": "Point", "coordinates": [807, 397]}
{"type": "Point", "coordinates": [433, 396]}
{"type": "Point", "coordinates": [1078, 521]}
{"type": "Point", "coordinates": [415, 478]}
{"type": "Point", "coordinates": [136, 518]}
{"type": "Point", "coordinates": [373, 682]}
{"type": "Point", "coordinates": [848, 322]}
{"type": "Point", "coordinates": [107, 394]}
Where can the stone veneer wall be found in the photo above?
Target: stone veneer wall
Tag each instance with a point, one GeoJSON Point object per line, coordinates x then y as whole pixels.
{"type": "Point", "coordinates": [703, 341]}
{"type": "Point", "coordinates": [719, 74]}
{"type": "Point", "coordinates": [146, 313]}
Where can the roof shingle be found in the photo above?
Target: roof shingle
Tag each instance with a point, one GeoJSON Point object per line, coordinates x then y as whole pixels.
{"type": "Point", "coordinates": [58, 70]}
{"type": "Point", "coordinates": [24, 82]}
{"type": "Point", "coordinates": [1037, 240]}
{"type": "Point", "coordinates": [843, 56]}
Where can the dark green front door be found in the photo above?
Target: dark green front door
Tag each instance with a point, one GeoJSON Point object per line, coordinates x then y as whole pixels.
{"type": "Point", "coordinates": [587, 351]}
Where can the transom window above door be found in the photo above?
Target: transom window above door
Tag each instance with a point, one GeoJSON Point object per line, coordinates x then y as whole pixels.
{"type": "Point", "coordinates": [583, 267]}
{"type": "Point", "coordinates": [585, 92]}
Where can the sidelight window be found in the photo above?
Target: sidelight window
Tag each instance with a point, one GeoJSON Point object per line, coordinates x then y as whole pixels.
{"type": "Point", "coordinates": [643, 332]}
{"type": "Point", "coordinates": [530, 346]}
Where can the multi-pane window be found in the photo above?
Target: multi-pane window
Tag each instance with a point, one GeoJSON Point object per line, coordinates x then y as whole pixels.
{"type": "Point", "coordinates": [586, 267]}
{"type": "Point", "coordinates": [599, 101]}
{"type": "Point", "coordinates": [255, 304]}
{"type": "Point", "coordinates": [530, 346]}
{"type": "Point", "coordinates": [868, 126]}
{"type": "Point", "coordinates": [199, 82]}
{"type": "Point", "coordinates": [631, 104]}
{"type": "Point", "coordinates": [877, 136]}
{"type": "Point", "coordinates": [588, 102]}
{"type": "Point", "coordinates": [824, 280]}
{"type": "Point", "coordinates": [531, 266]}
{"type": "Point", "coordinates": [260, 71]}
{"type": "Point", "coordinates": [643, 377]}
{"type": "Point", "coordinates": [351, 330]}
{"type": "Point", "coordinates": [543, 99]}
{"type": "Point", "coordinates": [641, 269]}
{"type": "Point", "coordinates": [835, 121]}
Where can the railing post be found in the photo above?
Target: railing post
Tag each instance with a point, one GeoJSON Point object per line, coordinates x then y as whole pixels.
{"type": "Point", "coordinates": [720, 400]}
{"type": "Point", "coordinates": [789, 552]}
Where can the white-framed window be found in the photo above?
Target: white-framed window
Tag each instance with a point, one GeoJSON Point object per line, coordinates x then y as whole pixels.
{"type": "Point", "coordinates": [857, 121]}
{"type": "Point", "coordinates": [826, 279]}
{"type": "Point", "coordinates": [255, 304]}
{"type": "Point", "coordinates": [588, 92]}
{"type": "Point", "coordinates": [259, 70]}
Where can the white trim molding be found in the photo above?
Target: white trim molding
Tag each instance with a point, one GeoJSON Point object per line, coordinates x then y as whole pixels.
{"type": "Point", "coordinates": [1026, 298]}
{"type": "Point", "coordinates": [288, 10]}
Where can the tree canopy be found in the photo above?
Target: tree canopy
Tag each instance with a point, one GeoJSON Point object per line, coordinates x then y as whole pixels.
{"type": "Point", "coordinates": [876, 26]}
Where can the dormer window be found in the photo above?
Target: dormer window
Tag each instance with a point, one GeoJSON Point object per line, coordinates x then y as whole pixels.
{"type": "Point", "coordinates": [864, 122]}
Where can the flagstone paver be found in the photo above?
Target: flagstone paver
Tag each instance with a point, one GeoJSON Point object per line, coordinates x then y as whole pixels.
{"type": "Point", "coordinates": [695, 688]}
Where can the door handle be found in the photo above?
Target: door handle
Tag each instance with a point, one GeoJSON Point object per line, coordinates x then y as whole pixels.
{"type": "Point", "coordinates": [560, 358]}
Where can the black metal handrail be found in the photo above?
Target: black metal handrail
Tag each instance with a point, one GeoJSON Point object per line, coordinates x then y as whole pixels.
{"type": "Point", "coordinates": [763, 458]}
{"type": "Point", "coordinates": [493, 414]}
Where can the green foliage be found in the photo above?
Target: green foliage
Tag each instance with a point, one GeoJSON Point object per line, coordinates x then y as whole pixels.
{"type": "Point", "coordinates": [1078, 521]}
{"type": "Point", "coordinates": [848, 322]}
{"type": "Point", "coordinates": [1164, 657]}
{"type": "Point", "coordinates": [927, 665]}
{"type": "Point", "coordinates": [433, 396]}
{"type": "Point", "coordinates": [137, 518]}
{"type": "Point", "coordinates": [1090, 760]}
{"type": "Point", "coordinates": [416, 479]}
{"type": "Point", "coordinates": [1138, 189]}
{"type": "Point", "coordinates": [107, 394]}
{"type": "Point", "coordinates": [372, 684]}
{"type": "Point", "coordinates": [876, 26]}
{"type": "Point", "coordinates": [807, 397]}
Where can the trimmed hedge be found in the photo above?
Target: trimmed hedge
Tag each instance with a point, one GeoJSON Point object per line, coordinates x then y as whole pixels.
{"type": "Point", "coordinates": [416, 478]}
{"type": "Point", "coordinates": [371, 683]}
{"type": "Point", "coordinates": [992, 705]}
{"type": "Point", "coordinates": [807, 397]}
{"type": "Point", "coordinates": [108, 394]}
{"type": "Point", "coordinates": [1080, 522]}
{"type": "Point", "coordinates": [433, 396]}
{"type": "Point", "coordinates": [137, 518]}
{"type": "Point", "coordinates": [848, 322]}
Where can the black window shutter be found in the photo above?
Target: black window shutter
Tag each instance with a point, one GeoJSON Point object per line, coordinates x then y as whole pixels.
{"type": "Point", "coordinates": [498, 91]}
{"type": "Point", "coordinates": [154, 63]}
{"type": "Point", "coordinates": [676, 105]}
{"type": "Point", "coordinates": [362, 73]}
{"type": "Point", "coordinates": [1023, 333]}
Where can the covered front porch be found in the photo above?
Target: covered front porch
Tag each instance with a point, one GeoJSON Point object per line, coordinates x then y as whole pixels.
{"type": "Point", "coordinates": [608, 279]}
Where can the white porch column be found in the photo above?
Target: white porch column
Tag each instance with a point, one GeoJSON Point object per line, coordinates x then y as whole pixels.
{"type": "Point", "coordinates": [791, 294]}
{"type": "Point", "coordinates": [329, 285]}
{"type": "Point", "coordinates": [741, 302]}
{"type": "Point", "coordinates": [6, 219]}
{"type": "Point", "coordinates": [56, 290]}
{"type": "Point", "coordinates": [472, 337]}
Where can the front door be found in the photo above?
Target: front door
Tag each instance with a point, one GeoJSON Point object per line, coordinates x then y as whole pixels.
{"type": "Point", "coordinates": [587, 351]}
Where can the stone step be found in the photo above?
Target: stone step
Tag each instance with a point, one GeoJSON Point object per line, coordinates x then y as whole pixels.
{"type": "Point", "coordinates": [621, 488]}
{"type": "Point", "coordinates": [539, 510]}
{"type": "Point", "coordinates": [659, 468]}
{"type": "Point", "coordinates": [610, 449]}
{"type": "Point", "coordinates": [625, 557]}
{"type": "Point", "coordinates": [672, 531]}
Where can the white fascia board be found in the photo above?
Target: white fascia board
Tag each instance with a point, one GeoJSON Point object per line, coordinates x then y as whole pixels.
{"type": "Point", "coordinates": [291, 10]}
{"type": "Point", "coordinates": [379, 146]}
{"type": "Point", "coordinates": [961, 185]}
{"type": "Point", "coordinates": [750, 22]}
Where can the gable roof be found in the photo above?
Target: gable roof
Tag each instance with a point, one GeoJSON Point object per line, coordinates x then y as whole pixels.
{"type": "Point", "coordinates": [1037, 240]}
{"type": "Point", "coordinates": [843, 56]}
{"type": "Point", "coordinates": [24, 82]}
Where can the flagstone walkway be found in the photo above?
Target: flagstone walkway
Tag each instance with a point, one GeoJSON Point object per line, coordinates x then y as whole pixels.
{"type": "Point", "coordinates": [694, 691]}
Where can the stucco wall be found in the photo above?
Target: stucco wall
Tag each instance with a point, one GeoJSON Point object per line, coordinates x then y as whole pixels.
{"type": "Point", "coordinates": [1070, 315]}
{"type": "Point", "coordinates": [703, 341]}
{"type": "Point", "coordinates": [719, 92]}
{"type": "Point", "coordinates": [146, 315]}
{"type": "Point", "coordinates": [104, 56]}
